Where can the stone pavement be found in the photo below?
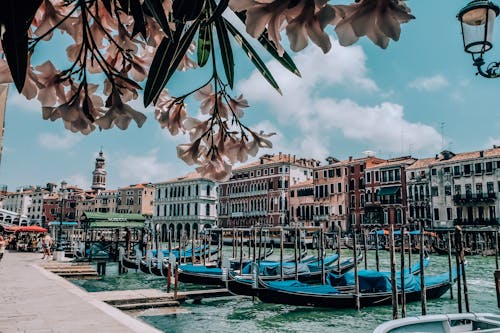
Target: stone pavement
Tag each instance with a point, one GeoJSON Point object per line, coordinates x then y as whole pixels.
{"type": "Point", "coordinates": [35, 300]}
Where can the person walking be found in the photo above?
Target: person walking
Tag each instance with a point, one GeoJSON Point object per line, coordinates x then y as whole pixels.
{"type": "Point", "coordinates": [2, 247]}
{"type": "Point", "coordinates": [46, 244]}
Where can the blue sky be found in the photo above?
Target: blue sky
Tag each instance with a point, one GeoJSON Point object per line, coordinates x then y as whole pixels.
{"type": "Point", "coordinates": [393, 102]}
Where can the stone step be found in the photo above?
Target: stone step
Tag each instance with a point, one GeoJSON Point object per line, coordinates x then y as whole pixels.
{"type": "Point", "coordinates": [137, 300]}
{"type": "Point", "coordinates": [147, 305]}
{"type": "Point", "coordinates": [78, 275]}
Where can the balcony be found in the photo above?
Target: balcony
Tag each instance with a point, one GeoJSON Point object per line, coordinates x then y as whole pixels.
{"type": "Point", "coordinates": [470, 198]}
{"type": "Point", "coordinates": [477, 221]}
{"type": "Point", "coordinates": [248, 194]}
{"type": "Point", "coordinates": [391, 201]}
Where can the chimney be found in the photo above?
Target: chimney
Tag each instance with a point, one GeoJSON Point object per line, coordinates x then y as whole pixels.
{"type": "Point", "coordinates": [293, 158]}
{"type": "Point", "coordinates": [280, 155]}
{"type": "Point", "coordinates": [437, 156]}
{"type": "Point", "coordinates": [481, 153]}
{"type": "Point", "coordinates": [350, 158]}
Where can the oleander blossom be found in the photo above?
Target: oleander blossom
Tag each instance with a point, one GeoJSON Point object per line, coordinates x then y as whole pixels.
{"type": "Point", "coordinates": [170, 113]}
{"type": "Point", "coordinates": [119, 114]}
{"type": "Point", "coordinates": [379, 20]}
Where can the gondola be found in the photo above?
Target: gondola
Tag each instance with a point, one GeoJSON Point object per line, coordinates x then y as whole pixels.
{"type": "Point", "coordinates": [444, 251]}
{"type": "Point", "coordinates": [242, 284]}
{"type": "Point", "coordinates": [377, 291]}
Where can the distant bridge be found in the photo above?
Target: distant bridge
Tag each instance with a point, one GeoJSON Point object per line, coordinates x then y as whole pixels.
{"type": "Point", "coordinates": [9, 218]}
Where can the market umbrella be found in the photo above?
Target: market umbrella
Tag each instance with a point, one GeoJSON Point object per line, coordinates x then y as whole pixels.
{"type": "Point", "coordinates": [31, 228]}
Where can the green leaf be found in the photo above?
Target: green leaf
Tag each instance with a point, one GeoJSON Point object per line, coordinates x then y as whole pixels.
{"type": "Point", "coordinates": [225, 49]}
{"type": "Point", "coordinates": [155, 8]}
{"type": "Point", "coordinates": [167, 57]}
{"type": "Point", "coordinates": [221, 7]}
{"type": "Point", "coordinates": [15, 18]}
{"type": "Point", "coordinates": [264, 40]}
{"type": "Point", "coordinates": [204, 44]}
{"type": "Point", "coordinates": [252, 55]}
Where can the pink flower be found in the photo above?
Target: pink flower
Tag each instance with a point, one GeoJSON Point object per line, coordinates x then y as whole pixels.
{"type": "Point", "coordinates": [215, 168]}
{"type": "Point", "coordinates": [262, 14]}
{"type": "Point", "coordinates": [259, 141]}
{"type": "Point", "coordinates": [120, 114]}
{"type": "Point", "coordinates": [208, 100]}
{"type": "Point", "coordinates": [196, 127]}
{"type": "Point", "coordinates": [49, 15]}
{"type": "Point", "coordinates": [237, 104]}
{"type": "Point", "coordinates": [311, 23]}
{"type": "Point", "coordinates": [53, 87]}
{"type": "Point", "coordinates": [237, 150]}
{"type": "Point", "coordinates": [170, 114]}
{"type": "Point", "coordinates": [379, 20]}
{"type": "Point", "coordinates": [31, 84]}
{"type": "Point", "coordinates": [191, 153]}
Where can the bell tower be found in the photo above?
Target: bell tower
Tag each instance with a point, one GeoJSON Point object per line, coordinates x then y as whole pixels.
{"type": "Point", "coordinates": [99, 173]}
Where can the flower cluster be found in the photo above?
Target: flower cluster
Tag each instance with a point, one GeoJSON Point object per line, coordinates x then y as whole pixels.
{"type": "Point", "coordinates": [122, 43]}
{"type": "Point", "coordinates": [219, 140]}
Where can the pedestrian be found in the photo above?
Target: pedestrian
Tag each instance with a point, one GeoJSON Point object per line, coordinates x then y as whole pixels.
{"type": "Point", "coordinates": [2, 247]}
{"type": "Point", "coordinates": [46, 244]}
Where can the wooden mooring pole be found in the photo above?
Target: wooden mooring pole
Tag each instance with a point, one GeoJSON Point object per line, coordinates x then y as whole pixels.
{"type": "Point", "coordinates": [365, 248]}
{"type": "Point", "coordinates": [450, 268]}
{"type": "Point", "coordinates": [402, 274]}
{"type": "Point", "coordinates": [458, 242]}
{"type": "Point", "coordinates": [377, 258]}
{"type": "Point", "coordinates": [423, 289]}
{"type": "Point", "coordinates": [356, 279]}
{"type": "Point", "coordinates": [393, 273]}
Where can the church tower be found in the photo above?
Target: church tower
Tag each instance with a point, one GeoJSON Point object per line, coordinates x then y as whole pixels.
{"type": "Point", "coordinates": [99, 174]}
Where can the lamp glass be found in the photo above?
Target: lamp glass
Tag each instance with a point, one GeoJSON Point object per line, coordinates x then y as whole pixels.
{"type": "Point", "coordinates": [477, 28]}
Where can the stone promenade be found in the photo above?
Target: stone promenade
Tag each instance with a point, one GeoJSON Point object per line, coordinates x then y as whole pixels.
{"type": "Point", "coordinates": [35, 300]}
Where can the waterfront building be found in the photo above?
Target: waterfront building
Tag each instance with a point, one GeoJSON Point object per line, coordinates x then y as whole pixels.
{"type": "Point", "coordinates": [257, 194]}
{"type": "Point", "coordinates": [464, 188]}
{"type": "Point", "coordinates": [302, 204]}
{"type": "Point", "coordinates": [184, 205]}
{"type": "Point", "coordinates": [99, 173]}
{"type": "Point", "coordinates": [136, 199]}
{"type": "Point", "coordinates": [418, 193]}
{"type": "Point", "coordinates": [386, 192]}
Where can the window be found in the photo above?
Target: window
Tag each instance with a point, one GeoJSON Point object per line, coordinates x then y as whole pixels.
{"type": "Point", "coordinates": [352, 169]}
{"type": "Point", "coordinates": [331, 173]}
{"type": "Point", "coordinates": [384, 176]}
{"type": "Point", "coordinates": [368, 177]}
{"type": "Point", "coordinates": [325, 174]}
{"type": "Point", "coordinates": [340, 210]}
{"type": "Point", "coordinates": [433, 172]}
{"type": "Point", "coordinates": [271, 171]}
{"type": "Point", "coordinates": [251, 174]}
{"type": "Point", "coordinates": [447, 190]}
{"type": "Point", "coordinates": [456, 170]}
{"type": "Point", "coordinates": [436, 214]}
{"type": "Point", "coordinates": [434, 191]}
{"type": "Point", "coordinates": [316, 175]}
{"type": "Point", "coordinates": [489, 167]}
{"type": "Point", "coordinates": [479, 188]}
{"type": "Point", "coordinates": [339, 187]}
{"type": "Point", "coordinates": [448, 214]}
{"type": "Point", "coordinates": [332, 188]}
{"type": "Point", "coordinates": [258, 173]}
{"type": "Point", "coordinates": [208, 190]}
{"type": "Point", "coordinates": [458, 189]}
{"type": "Point", "coordinates": [477, 168]}
{"type": "Point", "coordinates": [446, 170]}
{"type": "Point", "coordinates": [467, 169]}
{"type": "Point", "coordinates": [397, 173]}
{"type": "Point", "coordinates": [280, 169]}
{"type": "Point", "coordinates": [207, 210]}
{"type": "Point", "coordinates": [338, 172]}
{"type": "Point", "coordinates": [265, 172]}
{"type": "Point", "coordinates": [490, 187]}
{"type": "Point", "coordinates": [376, 176]}
{"type": "Point", "coordinates": [292, 194]}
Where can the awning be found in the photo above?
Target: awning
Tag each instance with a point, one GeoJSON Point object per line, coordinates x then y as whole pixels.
{"type": "Point", "coordinates": [391, 190]}
{"type": "Point", "coordinates": [64, 223]}
{"type": "Point", "coordinates": [31, 228]}
{"type": "Point", "coordinates": [111, 224]}
{"type": "Point", "coordinates": [114, 217]}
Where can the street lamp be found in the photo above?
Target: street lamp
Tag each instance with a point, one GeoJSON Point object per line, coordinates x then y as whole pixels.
{"type": "Point", "coordinates": [63, 195]}
{"type": "Point", "coordinates": [477, 21]}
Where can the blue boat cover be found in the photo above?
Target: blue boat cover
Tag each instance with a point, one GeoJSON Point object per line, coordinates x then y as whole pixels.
{"type": "Point", "coordinates": [270, 268]}
{"type": "Point", "coordinates": [373, 281]}
{"type": "Point", "coordinates": [201, 269]}
{"type": "Point", "coordinates": [299, 287]}
{"type": "Point", "coordinates": [185, 253]}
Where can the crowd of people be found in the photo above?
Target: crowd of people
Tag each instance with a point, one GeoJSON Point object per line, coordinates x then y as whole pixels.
{"type": "Point", "coordinates": [27, 242]}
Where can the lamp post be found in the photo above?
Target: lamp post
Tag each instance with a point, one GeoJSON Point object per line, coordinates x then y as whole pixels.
{"type": "Point", "coordinates": [63, 195]}
{"type": "Point", "coordinates": [477, 21]}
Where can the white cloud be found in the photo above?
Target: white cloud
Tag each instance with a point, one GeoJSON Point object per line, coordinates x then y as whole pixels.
{"type": "Point", "coordinates": [145, 168]}
{"type": "Point", "coordinates": [493, 141]}
{"type": "Point", "coordinates": [17, 102]}
{"type": "Point", "coordinates": [315, 121]}
{"type": "Point", "coordinates": [79, 180]}
{"type": "Point", "coordinates": [55, 141]}
{"type": "Point", "coordinates": [431, 83]}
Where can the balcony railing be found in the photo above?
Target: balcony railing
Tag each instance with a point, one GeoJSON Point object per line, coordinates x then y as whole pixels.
{"type": "Point", "coordinates": [477, 221]}
{"type": "Point", "coordinates": [248, 194]}
{"type": "Point", "coordinates": [474, 197]}
{"type": "Point", "coordinates": [390, 201]}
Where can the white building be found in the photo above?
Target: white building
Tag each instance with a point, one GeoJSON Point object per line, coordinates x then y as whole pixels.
{"type": "Point", "coordinates": [185, 204]}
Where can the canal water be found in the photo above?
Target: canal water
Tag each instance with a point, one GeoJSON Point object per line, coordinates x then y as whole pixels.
{"type": "Point", "coordinates": [244, 315]}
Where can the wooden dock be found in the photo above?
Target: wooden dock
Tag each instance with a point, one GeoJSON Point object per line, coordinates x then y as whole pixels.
{"type": "Point", "coordinates": [71, 270]}
{"type": "Point", "coordinates": [129, 300]}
